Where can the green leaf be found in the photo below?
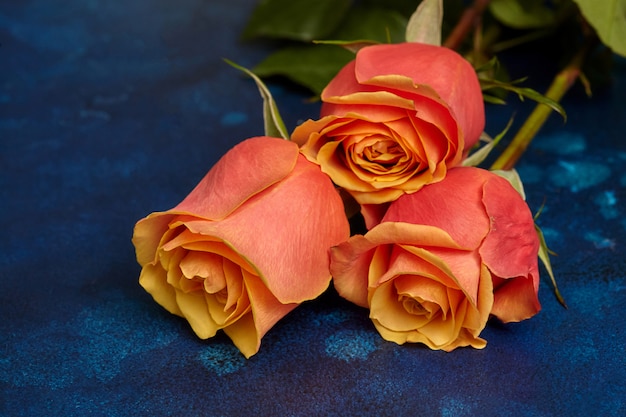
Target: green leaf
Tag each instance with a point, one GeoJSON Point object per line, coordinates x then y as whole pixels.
{"type": "Point", "coordinates": [274, 125]}
{"type": "Point", "coordinates": [608, 18]}
{"type": "Point", "coordinates": [523, 92]}
{"type": "Point", "coordinates": [372, 23]}
{"type": "Point", "coordinates": [524, 14]}
{"type": "Point", "coordinates": [311, 66]}
{"type": "Point", "coordinates": [425, 24]}
{"type": "Point", "coordinates": [493, 99]}
{"type": "Point", "coordinates": [404, 7]}
{"type": "Point", "coordinates": [544, 256]}
{"type": "Point", "coordinates": [301, 20]}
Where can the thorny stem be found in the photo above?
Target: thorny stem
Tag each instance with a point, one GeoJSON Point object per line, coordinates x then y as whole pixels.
{"type": "Point", "coordinates": [466, 23]}
{"type": "Point", "coordinates": [560, 85]}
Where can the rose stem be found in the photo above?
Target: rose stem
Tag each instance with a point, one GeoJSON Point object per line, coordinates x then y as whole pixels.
{"type": "Point", "coordinates": [560, 85]}
{"type": "Point", "coordinates": [465, 24]}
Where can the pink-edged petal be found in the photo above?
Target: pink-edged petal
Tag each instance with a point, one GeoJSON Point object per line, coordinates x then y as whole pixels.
{"type": "Point", "coordinates": [453, 204]}
{"type": "Point", "coordinates": [302, 215]}
{"type": "Point", "coordinates": [516, 299]}
{"type": "Point", "coordinates": [373, 213]}
{"type": "Point", "coordinates": [512, 245]}
{"type": "Point", "coordinates": [352, 262]}
{"type": "Point", "coordinates": [442, 69]}
{"type": "Point", "coordinates": [247, 169]}
{"type": "Point", "coordinates": [402, 233]}
{"type": "Point", "coordinates": [216, 246]}
{"type": "Point", "coordinates": [476, 318]}
{"type": "Point", "coordinates": [343, 83]}
{"type": "Point", "coordinates": [463, 266]}
{"type": "Point", "coordinates": [349, 265]}
{"type": "Point", "coordinates": [376, 105]}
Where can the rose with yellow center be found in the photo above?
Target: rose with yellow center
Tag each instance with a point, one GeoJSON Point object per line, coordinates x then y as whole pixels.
{"type": "Point", "coordinates": [442, 260]}
{"type": "Point", "coordinates": [395, 119]}
{"type": "Point", "coordinates": [247, 245]}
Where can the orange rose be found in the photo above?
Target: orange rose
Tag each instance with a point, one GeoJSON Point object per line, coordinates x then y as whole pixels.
{"type": "Point", "coordinates": [395, 119]}
{"type": "Point", "coordinates": [442, 260]}
{"type": "Point", "coordinates": [247, 245]}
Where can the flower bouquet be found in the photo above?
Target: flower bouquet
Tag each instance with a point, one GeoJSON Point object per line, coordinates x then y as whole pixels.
{"type": "Point", "coordinates": [398, 142]}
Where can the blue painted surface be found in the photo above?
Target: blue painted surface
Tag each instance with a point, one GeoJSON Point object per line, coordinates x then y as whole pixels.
{"type": "Point", "coordinates": [112, 110]}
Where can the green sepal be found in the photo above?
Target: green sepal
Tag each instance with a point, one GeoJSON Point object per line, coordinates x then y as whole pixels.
{"type": "Point", "coordinates": [482, 153]}
{"type": "Point", "coordinates": [513, 178]}
{"type": "Point", "coordinates": [544, 256]}
{"type": "Point", "coordinates": [273, 122]}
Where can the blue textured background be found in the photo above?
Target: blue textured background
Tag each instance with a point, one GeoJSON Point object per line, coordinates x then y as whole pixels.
{"type": "Point", "coordinates": [110, 110]}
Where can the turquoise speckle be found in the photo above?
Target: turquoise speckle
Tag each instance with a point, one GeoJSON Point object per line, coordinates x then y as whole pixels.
{"type": "Point", "coordinates": [453, 407]}
{"type": "Point", "coordinates": [222, 359]}
{"type": "Point", "coordinates": [95, 352]}
{"type": "Point", "coordinates": [578, 175]}
{"type": "Point", "coordinates": [607, 202]}
{"type": "Point", "coordinates": [565, 143]}
{"type": "Point", "coordinates": [233, 118]}
{"type": "Point", "coordinates": [349, 345]}
{"type": "Point", "coordinates": [599, 241]}
{"type": "Point", "coordinates": [335, 317]}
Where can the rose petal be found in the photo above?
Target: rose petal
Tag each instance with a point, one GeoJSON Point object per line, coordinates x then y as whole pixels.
{"type": "Point", "coordinates": [351, 260]}
{"type": "Point", "coordinates": [516, 299]}
{"type": "Point", "coordinates": [386, 310]}
{"type": "Point", "coordinates": [247, 169]}
{"type": "Point", "coordinates": [511, 247]}
{"type": "Point", "coordinates": [195, 310]}
{"type": "Point", "coordinates": [147, 236]}
{"type": "Point", "coordinates": [349, 266]}
{"type": "Point", "coordinates": [442, 69]}
{"type": "Point", "coordinates": [153, 280]}
{"type": "Point", "coordinates": [373, 213]}
{"type": "Point", "coordinates": [247, 332]}
{"type": "Point", "coordinates": [311, 223]}
{"type": "Point", "coordinates": [424, 290]}
{"type": "Point", "coordinates": [476, 318]}
{"type": "Point", "coordinates": [454, 205]}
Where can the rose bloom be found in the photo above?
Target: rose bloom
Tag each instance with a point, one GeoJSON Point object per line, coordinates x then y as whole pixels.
{"type": "Point", "coordinates": [395, 119]}
{"type": "Point", "coordinates": [442, 260]}
{"type": "Point", "coordinates": [247, 245]}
